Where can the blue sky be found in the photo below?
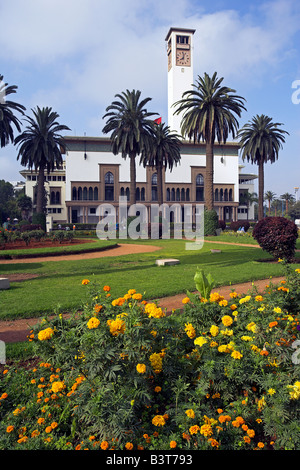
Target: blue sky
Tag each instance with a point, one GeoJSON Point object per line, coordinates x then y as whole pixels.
{"type": "Point", "coordinates": [75, 55]}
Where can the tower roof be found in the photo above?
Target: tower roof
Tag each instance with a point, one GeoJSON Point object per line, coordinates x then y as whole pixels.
{"type": "Point", "coordinates": [179, 30]}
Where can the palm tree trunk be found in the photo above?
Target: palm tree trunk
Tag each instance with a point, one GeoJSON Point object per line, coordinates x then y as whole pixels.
{"type": "Point", "coordinates": [261, 189]}
{"type": "Point", "coordinates": [132, 179]}
{"type": "Point", "coordinates": [209, 180]}
{"type": "Point", "coordinates": [40, 194]}
{"type": "Point", "coordinates": [159, 184]}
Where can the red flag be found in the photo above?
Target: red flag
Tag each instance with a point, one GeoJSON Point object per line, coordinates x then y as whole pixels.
{"type": "Point", "coordinates": [158, 120]}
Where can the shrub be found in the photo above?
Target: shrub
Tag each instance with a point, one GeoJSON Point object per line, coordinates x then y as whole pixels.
{"type": "Point", "coordinates": [211, 222]}
{"type": "Point", "coordinates": [30, 227]}
{"type": "Point", "coordinates": [277, 236]}
{"type": "Point", "coordinates": [39, 219]}
{"type": "Point", "coordinates": [222, 224]}
{"type": "Point", "coordinates": [122, 374]}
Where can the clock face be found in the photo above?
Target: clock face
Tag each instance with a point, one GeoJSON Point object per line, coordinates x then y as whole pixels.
{"type": "Point", "coordinates": [183, 58]}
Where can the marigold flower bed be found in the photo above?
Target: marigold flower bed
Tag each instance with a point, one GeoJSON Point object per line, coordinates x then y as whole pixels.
{"type": "Point", "coordinates": [222, 375]}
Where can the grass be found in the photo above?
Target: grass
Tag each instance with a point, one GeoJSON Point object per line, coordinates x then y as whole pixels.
{"type": "Point", "coordinates": [58, 287]}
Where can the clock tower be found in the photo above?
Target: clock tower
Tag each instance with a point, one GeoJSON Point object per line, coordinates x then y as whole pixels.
{"type": "Point", "coordinates": [180, 70]}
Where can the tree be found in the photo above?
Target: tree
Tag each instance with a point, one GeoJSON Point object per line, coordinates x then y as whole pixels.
{"type": "Point", "coordinates": [208, 115]}
{"type": "Point", "coordinates": [248, 199]}
{"type": "Point", "coordinates": [287, 197]}
{"type": "Point", "coordinates": [8, 120]}
{"type": "Point", "coordinates": [131, 129]}
{"type": "Point", "coordinates": [261, 140]}
{"type": "Point", "coordinates": [25, 205]}
{"type": "Point", "coordinates": [164, 153]}
{"type": "Point", "coordinates": [269, 196]}
{"type": "Point", "coordinates": [41, 146]}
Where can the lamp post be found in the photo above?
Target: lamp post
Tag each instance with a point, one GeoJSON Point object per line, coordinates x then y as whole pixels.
{"type": "Point", "coordinates": [296, 190]}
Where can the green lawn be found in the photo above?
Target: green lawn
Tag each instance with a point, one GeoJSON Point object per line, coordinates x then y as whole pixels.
{"type": "Point", "coordinates": [58, 286]}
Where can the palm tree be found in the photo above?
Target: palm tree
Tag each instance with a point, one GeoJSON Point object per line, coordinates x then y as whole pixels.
{"type": "Point", "coordinates": [261, 140]}
{"type": "Point", "coordinates": [287, 197]}
{"type": "Point", "coordinates": [248, 199]}
{"type": "Point", "coordinates": [269, 196]}
{"type": "Point", "coordinates": [131, 128]}
{"type": "Point", "coordinates": [8, 120]}
{"type": "Point", "coordinates": [41, 146]}
{"type": "Point", "coordinates": [208, 115]}
{"type": "Point", "coordinates": [164, 153]}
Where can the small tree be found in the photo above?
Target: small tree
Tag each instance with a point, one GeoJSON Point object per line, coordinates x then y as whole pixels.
{"type": "Point", "coordinates": [277, 236]}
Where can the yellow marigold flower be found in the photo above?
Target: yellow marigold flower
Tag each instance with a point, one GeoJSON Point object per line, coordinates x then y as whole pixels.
{"type": "Point", "coordinates": [233, 307]}
{"type": "Point", "coordinates": [129, 446]}
{"type": "Point", "coordinates": [227, 320]}
{"type": "Point", "coordinates": [227, 332]}
{"type": "Point", "coordinates": [233, 295]}
{"type": "Point", "coordinates": [137, 296]}
{"type": "Point", "coordinates": [190, 330]}
{"type": "Point", "coordinates": [213, 344]}
{"type": "Point", "coordinates": [185, 300]}
{"type": "Point", "coordinates": [57, 387]}
{"type": "Point", "coordinates": [297, 270]}
{"type": "Point", "coordinates": [9, 429]}
{"type": "Point", "coordinates": [223, 303]}
{"type": "Point", "coordinates": [158, 420]}
{"type": "Point", "coordinates": [246, 338]}
{"type": "Point", "coordinates": [245, 299]}
{"type": "Point", "coordinates": [236, 355]}
{"type": "Point", "coordinates": [190, 413]}
{"type": "Point", "coordinates": [156, 361]}
{"type": "Point", "coordinates": [173, 444]}
{"type": "Point", "coordinates": [104, 445]}
{"type": "Point", "coordinates": [261, 309]}
{"type": "Point", "coordinates": [93, 322]}
{"type": "Point", "coordinates": [153, 333]}
{"type": "Point", "coordinates": [277, 310]}
{"type": "Point", "coordinates": [141, 368]}
{"type": "Point", "coordinates": [200, 341]}
{"type": "Point", "coordinates": [45, 334]}
{"type": "Point", "coordinates": [251, 327]}
{"type": "Point", "coordinates": [258, 298]}
{"type": "Point", "coordinates": [214, 330]}
{"type": "Point", "coordinates": [127, 296]}
{"type": "Point", "coordinates": [85, 282]}
{"type": "Point", "coordinates": [206, 430]}
{"type": "Point", "coordinates": [116, 327]}
{"type": "Point", "coordinates": [131, 291]}
{"type": "Point", "coordinates": [271, 391]}
{"type": "Point", "coordinates": [194, 429]}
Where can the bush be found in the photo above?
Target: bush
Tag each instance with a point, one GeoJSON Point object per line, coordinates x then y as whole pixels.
{"type": "Point", "coordinates": [39, 219]}
{"type": "Point", "coordinates": [277, 236]}
{"type": "Point", "coordinates": [222, 224]}
{"type": "Point", "coordinates": [122, 375]}
{"type": "Point", "coordinates": [30, 227]}
{"type": "Point", "coordinates": [211, 222]}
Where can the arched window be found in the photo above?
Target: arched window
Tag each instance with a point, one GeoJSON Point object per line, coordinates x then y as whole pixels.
{"type": "Point", "coordinates": [138, 194]}
{"type": "Point", "coordinates": [182, 194]}
{"type": "Point", "coordinates": [230, 195]}
{"type": "Point", "coordinates": [216, 194]}
{"type": "Point", "coordinates": [74, 194]}
{"type": "Point", "coordinates": [80, 193]}
{"type": "Point", "coordinates": [154, 196]}
{"type": "Point", "coordinates": [168, 194]}
{"type": "Point", "coordinates": [122, 191]}
{"type": "Point", "coordinates": [177, 194]}
{"type": "Point", "coordinates": [188, 194]}
{"type": "Point", "coordinates": [221, 195]}
{"type": "Point", "coordinates": [91, 194]}
{"type": "Point", "coordinates": [85, 193]}
{"type": "Point", "coordinates": [143, 194]}
{"type": "Point", "coordinates": [199, 187]}
{"type": "Point", "coordinates": [226, 195]}
{"type": "Point", "coordinates": [128, 194]}
{"type": "Point", "coordinates": [172, 194]}
{"type": "Point", "coordinates": [109, 178]}
{"type": "Point", "coordinates": [109, 186]}
{"type": "Point", "coordinates": [96, 194]}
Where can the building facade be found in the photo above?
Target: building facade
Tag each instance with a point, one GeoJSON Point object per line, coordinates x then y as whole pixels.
{"type": "Point", "coordinates": [93, 176]}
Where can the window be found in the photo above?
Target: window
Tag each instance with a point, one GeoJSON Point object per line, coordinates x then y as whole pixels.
{"type": "Point", "coordinates": [74, 194]}
{"type": "Point", "coordinates": [216, 194]}
{"type": "Point", "coordinates": [154, 196]}
{"type": "Point", "coordinates": [199, 187]}
{"type": "Point", "coordinates": [91, 194]}
{"type": "Point", "coordinates": [96, 194]}
{"type": "Point", "coordinates": [182, 39]}
{"type": "Point", "coordinates": [138, 194]}
{"type": "Point", "coordinates": [109, 186]}
{"type": "Point", "coordinates": [93, 210]}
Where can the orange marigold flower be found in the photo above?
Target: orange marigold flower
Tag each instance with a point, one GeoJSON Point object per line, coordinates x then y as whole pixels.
{"type": "Point", "coordinates": [261, 445]}
{"type": "Point", "coordinates": [85, 282]}
{"type": "Point", "coordinates": [129, 446]}
{"type": "Point", "coordinates": [106, 289]}
{"type": "Point", "coordinates": [104, 445]}
{"type": "Point", "coordinates": [194, 429]}
{"type": "Point", "coordinates": [251, 432]}
{"type": "Point", "coordinates": [173, 444]}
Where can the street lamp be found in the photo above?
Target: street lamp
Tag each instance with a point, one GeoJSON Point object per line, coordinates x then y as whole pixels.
{"type": "Point", "coordinates": [296, 190]}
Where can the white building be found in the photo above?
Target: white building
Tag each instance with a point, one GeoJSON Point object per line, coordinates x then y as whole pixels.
{"type": "Point", "coordinates": [94, 175]}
